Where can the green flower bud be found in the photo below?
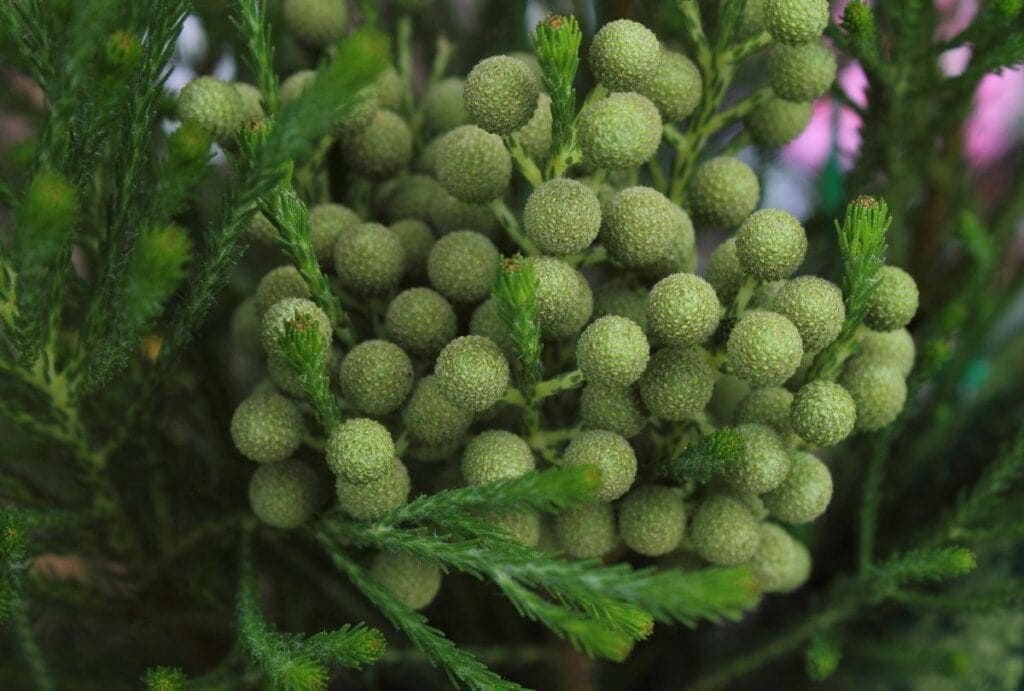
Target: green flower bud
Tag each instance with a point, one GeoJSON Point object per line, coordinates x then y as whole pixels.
{"type": "Point", "coordinates": [411, 198]}
{"type": "Point", "coordinates": [609, 453]}
{"type": "Point", "coordinates": [376, 377]}
{"type": "Point", "coordinates": [764, 348]}
{"type": "Point", "coordinates": [683, 310]}
{"type": "Point", "coordinates": [472, 372]}
{"type": "Point", "coordinates": [724, 272]}
{"type": "Point", "coordinates": [796, 22]}
{"type": "Point", "coordinates": [448, 214]}
{"type": "Point", "coordinates": [500, 94]}
{"type": "Point", "coordinates": [522, 525]}
{"type": "Point", "coordinates": [815, 306]}
{"type": "Point", "coordinates": [252, 101]}
{"type": "Point", "coordinates": [878, 390]}
{"type": "Point", "coordinates": [613, 351]}
{"type": "Point", "coordinates": [764, 463]}
{"type": "Point", "coordinates": [123, 50]}
{"type": "Point", "coordinates": [487, 321]}
{"type": "Point", "coordinates": [417, 240]}
{"type": "Point", "coordinates": [296, 84]}
{"type": "Point", "coordinates": [753, 20]}
{"type": "Point", "coordinates": [535, 135]}
{"type": "Point", "coordinates": [431, 418]}
{"type": "Point", "coordinates": [823, 413]}
{"type": "Point", "coordinates": [284, 494]}
{"type": "Point", "coordinates": [723, 531]}
{"type": "Point", "coordinates": [771, 244]}
{"type": "Point", "coordinates": [463, 265]}
{"type": "Point", "coordinates": [284, 376]}
{"type": "Point", "coordinates": [777, 122]}
{"type": "Point", "coordinates": [622, 300]}
{"type": "Point", "coordinates": [370, 501]}
{"type": "Point", "coordinates": [327, 222]}
{"type": "Point", "coordinates": [891, 348]}
{"type": "Point", "coordinates": [625, 55]}
{"type": "Point", "coordinates": [894, 302]}
{"type": "Point", "coordinates": [562, 216]}
{"type": "Point", "coordinates": [369, 259]}
{"type": "Point", "coordinates": [675, 88]}
{"type": "Point", "coordinates": [496, 455]}
{"type": "Point", "coordinates": [780, 564]}
{"type": "Point", "coordinates": [613, 408]}
{"type": "Point", "coordinates": [267, 427]}
{"type": "Point", "coordinates": [724, 191]}
{"type": "Point", "coordinates": [421, 321]}
{"type": "Point", "coordinates": [360, 450]}
{"type": "Point", "coordinates": [302, 314]}
{"type": "Point", "coordinates": [768, 406]}
{"type": "Point", "coordinates": [212, 104]}
{"type": "Point", "coordinates": [443, 109]}
{"type": "Point", "coordinates": [652, 519]}
{"type": "Point", "coordinates": [317, 23]}
{"type": "Point", "coordinates": [620, 132]}
{"type": "Point", "coordinates": [278, 284]}
{"type": "Point", "coordinates": [380, 149]}
{"type": "Point", "coordinates": [191, 142]}
{"type": "Point", "coordinates": [804, 494]}
{"type": "Point", "coordinates": [587, 532]}
{"type": "Point", "coordinates": [473, 165]}
{"type": "Point", "coordinates": [413, 582]}
{"type": "Point", "coordinates": [678, 383]}
{"type": "Point", "coordinates": [641, 225]}
{"type": "Point", "coordinates": [682, 254]}
{"type": "Point", "coordinates": [389, 88]}
{"type": "Point", "coordinates": [802, 73]}
{"type": "Point", "coordinates": [564, 299]}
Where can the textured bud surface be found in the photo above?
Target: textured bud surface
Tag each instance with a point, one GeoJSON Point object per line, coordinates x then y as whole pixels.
{"type": "Point", "coordinates": [682, 310]}
{"type": "Point", "coordinates": [522, 525]}
{"type": "Point", "coordinates": [496, 455]}
{"type": "Point", "coordinates": [380, 149]}
{"type": "Point", "coordinates": [318, 23]}
{"type": "Point", "coordinates": [824, 413]}
{"type": "Point", "coordinates": [609, 453]}
{"type": "Point", "coordinates": [370, 501]}
{"type": "Point", "coordinates": [771, 244]}
{"type": "Point", "coordinates": [360, 450]}
{"type": "Point", "coordinates": [213, 104]}
{"type": "Point", "coordinates": [587, 532]}
{"type": "Point", "coordinates": [326, 224]}
{"type": "Point", "coordinates": [804, 494]}
{"type": "Point", "coordinates": [462, 266]}
{"type": "Point", "coordinates": [652, 519]}
{"type": "Point", "coordinates": [764, 463]}
{"type": "Point", "coordinates": [620, 132]}
{"type": "Point", "coordinates": [803, 73]}
{"type": "Point", "coordinates": [640, 226]}
{"type": "Point", "coordinates": [613, 408]}
{"type": "Point", "coordinates": [764, 348]}
{"type": "Point", "coordinates": [780, 564]}
{"type": "Point", "coordinates": [878, 390]}
{"type": "Point", "coordinates": [473, 165]}
{"type": "Point", "coordinates": [376, 377]}
{"type": "Point", "coordinates": [500, 94]}
{"type": "Point", "coordinates": [724, 272]}
{"type": "Point", "coordinates": [564, 299]}
{"type": "Point", "coordinates": [433, 419]}
{"type": "Point", "coordinates": [535, 135]}
{"type": "Point", "coordinates": [894, 302]}
{"type": "Point", "coordinates": [267, 427]}
{"type": "Point", "coordinates": [815, 306]}
{"type": "Point", "coordinates": [420, 321]}
{"type": "Point", "coordinates": [768, 406]}
{"type": "Point", "coordinates": [777, 122]}
{"type": "Point", "coordinates": [413, 582]}
{"type": "Point", "coordinates": [443, 109]}
{"type": "Point", "coordinates": [369, 259]}
{"type": "Point", "coordinates": [675, 88]}
{"type": "Point", "coordinates": [417, 240]}
{"type": "Point", "coordinates": [278, 284]}
{"type": "Point", "coordinates": [613, 351]}
{"type": "Point", "coordinates": [625, 55]}
{"type": "Point", "coordinates": [796, 22]}
{"type": "Point", "coordinates": [302, 314]}
{"type": "Point", "coordinates": [448, 214]}
{"type": "Point", "coordinates": [678, 383]}
{"type": "Point", "coordinates": [284, 494]}
{"type": "Point", "coordinates": [723, 531]}
{"type": "Point", "coordinates": [562, 216]}
{"type": "Point", "coordinates": [472, 372]}
{"type": "Point", "coordinates": [616, 297]}
{"type": "Point", "coordinates": [893, 348]}
{"type": "Point", "coordinates": [487, 321]}
{"type": "Point", "coordinates": [724, 191]}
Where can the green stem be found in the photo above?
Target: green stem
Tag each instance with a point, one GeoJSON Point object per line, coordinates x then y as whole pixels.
{"type": "Point", "coordinates": [559, 383]}
{"type": "Point", "coordinates": [524, 163]}
{"type": "Point", "coordinates": [508, 221]}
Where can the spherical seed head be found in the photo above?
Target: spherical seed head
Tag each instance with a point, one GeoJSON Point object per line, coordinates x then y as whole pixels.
{"type": "Point", "coordinates": [682, 254]}
{"type": "Point", "coordinates": [683, 310]}
{"type": "Point", "coordinates": [562, 216]}
{"type": "Point", "coordinates": [213, 104]}
{"type": "Point", "coordinates": [522, 525]}
{"type": "Point", "coordinates": [410, 198]}
{"type": "Point", "coordinates": [443, 109]}
{"type": "Point", "coordinates": [357, 116]}
{"type": "Point", "coordinates": [675, 88]}
{"type": "Point", "coordinates": [587, 532]}
{"type": "Point", "coordinates": [302, 314]}
{"type": "Point", "coordinates": [625, 55]}
{"type": "Point", "coordinates": [190, 142]}
{"type": "Point", "coordinates": [317, 23]}
{"type": "Point", "coordinates": [266, 427]}
{"type": "Point", "coordinates": [252, 101]}
{"type": "Point", "coordinates": [376, 377]}
{"type": "Point", "coordinates": [613, 408]}
{"type": "Point", "coordinates": [500, 94]}
{"type": "Point", "coordinates": [796, 22]}
{"type": "Point", "coordinates": [535, 135]}
{"type": "Point", "coordinates": [473, 165]}
{"type": "Point", "coordinates": [641, 225]}
{"type": "Point", "coordinates": [388, 88]}
{"type": "Point", "coordinates": [369, 259]}
{"type": "Point", "coordinates": [620, 132]}
{"type": "Point", "coordinates": [284, 494]}
{"type": "Point", "coordinates": [801, 73]}
{"type": "Point", "coordinates": [327, 222]}
{"type": "Point", "coordinates": [894, 302]}
{"type": "Point", "coordinates": [462, 266]}
{"type": "Point", "coordinates": [652, 519]}
{"type": "Point", "coordinates": [613, 351]}
{"type": "Point", "coordinates": [764, 463]}
{"type": "Point", "coordinates": [724, 191]}
{"type": "Point", "coordinates": [768, 406]}
{"type": "Point", "coordinates": [815, 306]}
{"type": "Point", "coordinates": [294, 85]}
{"type": "Point", "coordinates": [771, 244]}
{"type": "Point", "coordinates": [448, 214]}
{"type": "Point", "coordinates": [421, 321]}
{"type": "Point", "coordinates": [380, 149]}
{"type": "Point", "coordinates": [678, 383]}
{"type": "Point", "coordinates": [417, 240]}
{"type": "Point", "coordinates": [724, 272]}
{"type": "Point", "coordinates": [487, 321]}
{"type": "Point", "coordinates": [878, 390]}
{"type": "Point", "coordinates": [370, 501]}
{"type": "Point", "coordinates": [823, 413]}
{"type": "Point", "coordinates": [472, 372]}
{"type": "Point", "coordinates": [777, 122]}
{"type": "Point", "coordinates": [618, 298]}
{"type": "Point", "coordinates": [804, 494]}
{"type": "Point", "coordinates": [413, 582]}
{"type": "Point", "coordinates": [892, 348]}
{"type": "Point", "coordinates": [723, 531]}
{"type": "Point", "coordinates": [432, 419]}
{"type": "Point", "coordinates": [753, 20]}
{"type": "Point", "coordinates": [284, 377]}
{"type": "Point", "coordinates": [764, 348]}
{"type": "Point", "coordinates": [609, 453]}
{"type": "Point", "coordinates": [360, 450]}
{"type": "Point", "coordinates": [278, 284]}
{"type": "Point", "coordinates": [780, 564]}
{"type": "Point", "coordinates": [496, 455]}
{"type": "Point", "coordinates": [564, 299]}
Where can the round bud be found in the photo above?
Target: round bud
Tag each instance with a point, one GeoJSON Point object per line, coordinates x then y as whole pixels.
{"type": "Point", "coordinates": [780, 564]}
{"type": "Point", "coordinates": [625, 55]}
{"type": "Point", "coordinates": [369, 259]}
{"type": "Point", "coordinates": [613, 408]}
{"type": "Point", "coordinates": [360, 450]}
{"type": "Point", "coordinates": [123, 50]}
{"type": "Point", "coordinates": [410, 198]}
{"type": "Point", "coordinates": [317, 23]}
{"type": "Point", "coordinates": [284, 376]}
{"type": "Point", "coordinates": [496, 455]}
{"type": "Point", "coordinates": [421, 321]}
{"type": "Point", "coordinates": [448, 214]}
{"type": "Point", "coordinates": [431, 418]}
{"type": "Point", "coordinates": [620, 132]}
{"type": "Point", "coordinates": [278, 284]}
{"type": "Point", "coordinates": [652, 519]}
{"type": "Point", "coordinates": [768, 406]}
{"type": "Point", "coordinates": [681, 256]}
{"type": "Point", "coordinates": [190, 142]}
{"type": "Point", "coordinates": [801, 73]}
{"type": "Point", "coordinates": [763, 464]}
{"type": "Point", "coordinates": [442, 105]}
{"type": "Point", "coordinates": [804, 494]}
{"type": "Point", "coordinates": [613, 351]}
{"type": "Point", "coordinates": [284, 494]}
{"type": "Point", "coordinates": [327, 222]}
{"type": "Point", "coordinates": [815, 306]}
{"type": "Point", "coordinates": [252, 101]}
{"type": "Point", "coordinates": [892, 348]}
{"type": "Point", "coordinates": [296, 84]}
{"type": "Point", "coordinates": [587, 532]}
{"type": "Point", "coordinates": [535, 135]}
{"type": "Point", "coordinates": [473, 165]}
{"type": "Point", "coordinates": [678, 383]}
{"type": "Point", "coordinates": [388, 89]}
{"type": "Point", "coordinates": [371, 500]}
{"type": "Point", "coordinates": [472, 372]}
{"type": "Point", "coordinates": [562, 216]}
{"type": "Point", "coordinates": [609, 453]}
{"type": "Point", "coordinates": [724, 191]}
{"type": "Point", "coordinates": [487, 321]}
{"type": "Point", "coordinates": [675, 88]}
{"type": "Point", "coordinates": [564, 299]}
{"type": "Point", "coordinates": [823, 413]}
{"type": "Point", "coordinates": [894, 302]}
{"type": "Point", "coordinates": [522, 525]}
{"type": "Point", "coordinates": [463, 265]}
{"type": "Point", "coordinates": [380, 149]}
{"type": "Point", "coordinates": [777, 122]}
{"type": "Point", "coordinates": [753, 20]}
{"type": "Point", "coordinates": [764, 348]}
{"type": "Point", "coordinates": [682, 310]}
{"type": "Point", "coordinates": [641, 225]}
{"type": "Point", "coordinates": [618, 298]}
{"type": "Point", "coordinates": [212, 104]}
{"type": "Point", "coordinates": [300, 314]}
{"type": "Point", "coordinates": [878, 390]}
{"type": "Point", "coordinates": [417, 240]}
{"type": "Point", "coordinates": [413, 582]}
{"type": "Point", "coordinates": [771, 244]}
{"type": "Point", "coordinates": [723, 531]}
{"type": "Point", "coordinates": [724, 272]}
{"type": "Point", "coordinates": [376, 377]}
{"type": "Point", "coordinates": [796, 22]}
{"type": "Point", "coordinates": [500, 94]}
{"type": "Point", "coordinates": [266, 427]}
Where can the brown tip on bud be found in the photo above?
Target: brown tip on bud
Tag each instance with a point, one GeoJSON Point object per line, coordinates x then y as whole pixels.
{"type": "Point", "coordinates": [865, 201]}
{"type": "Point", "coordinates": [512, 264]}
{"type": "Point", "coordinates": [554, 21]}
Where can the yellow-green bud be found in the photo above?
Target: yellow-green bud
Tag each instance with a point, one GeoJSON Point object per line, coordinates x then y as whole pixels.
{"type": "Point", "coordinates": [278, 284]}
{"type": "Point", "coordinates": [369, 259]}
{"type": "Point", "coordinates": [771, 244]}
{"type": "Point", "coordinates": [421, 321]}
{"type": "Point", "coordinates": [675, 88]}
{"type": "Point", "coordinates": [724, 272]}
{"type": "Point", "coordinates": [682, 310]}
{"type": "Point", "coordinates": [764, 463]}
{"type": "Point", "coordinates": [641, 225]}
{"type": "Point", "coordinates": [443, 109]}
{"type": "Point", "coordinates": [370, 501]}
{"type": "Point", "coordinates": [267, 427]}
{"type": "Point", "coordinates": [894, 302]}
{"type": "Point", "coordinates": [472, 372]}
{"type": "Point", "coordinates": [777, 122]}
{"type": "Point", "coordinates": [413, 582]}
{"type": "Point", "coordinates": [587, 532]}
{"type": "Point", "coordinates": [613, 408]}
{"type": "Point", "coordinates": [496, 455]}
{"type": "Point", "coordinates": [652, 519]}
{"type": "Point", "coordinates": [327, 222]}
{"type": "Point", "coordinates": [522, 525]}
{"type": "Point", "coordinates": [360, 450]}
{"type": "Point", "coordinates": [564, 299]}
{"type": "Point", "coordinates": [609, 453]}
{"type": "Point", "coordinates": [780, 564]}
{"type": "Point", "coordinates": [318, 23]}
{"type": "Point", "coordinates": [878, 390]}
{"type": "Point", "coordinates": [284, 494]}
{"type": "Point", "coordinates": [613, 351]}
{"type": "Point", "coordinates": [678, 383]}
{"type": "Point", "coordinates": [462, 266]}
{"type": "Point", "coordinates": [620, 132]}
{"type": "Point", "coordinates": [213, 104]}
{"type": "Point", "coordinates": [417, 240]}
{"type": "Point", "coordinates": [562, 216]}
{"type": "Point", "coordinates": [473, 165]}
{"type": "Point", "coordinates": [892, 348]}
{"type": "Point", "coordinates": [431, 418]}
{"type": "Point", "coordinates": [769, 406]}
{"type": "Point", "coordinates": [804, 494]}
{"type": "Point", "coordinates": [381, 149]}
{"type": "Point", "coordinates": [302, 314]}
{"type": "Point", "coordinates": [796, 22]}
{"type": "Point", "coordinates": [625, 55]}
{"type": "Point", "coordinates": [823, 413]}
{"type": "Point", "coordinates": [723, 531]}
{"type": "Point", "coordinates": [376, 377]}
{"type": "Point", "coordinates": [764, 348]}
{"type": "Point", "coordinates": [801, 73]}
{"type": "Point", "coordinates": [815, 306]}
{"type": "Point", "coordinates": [724, 191]}
{"type": "Point", "coordinates": [500, 94]}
